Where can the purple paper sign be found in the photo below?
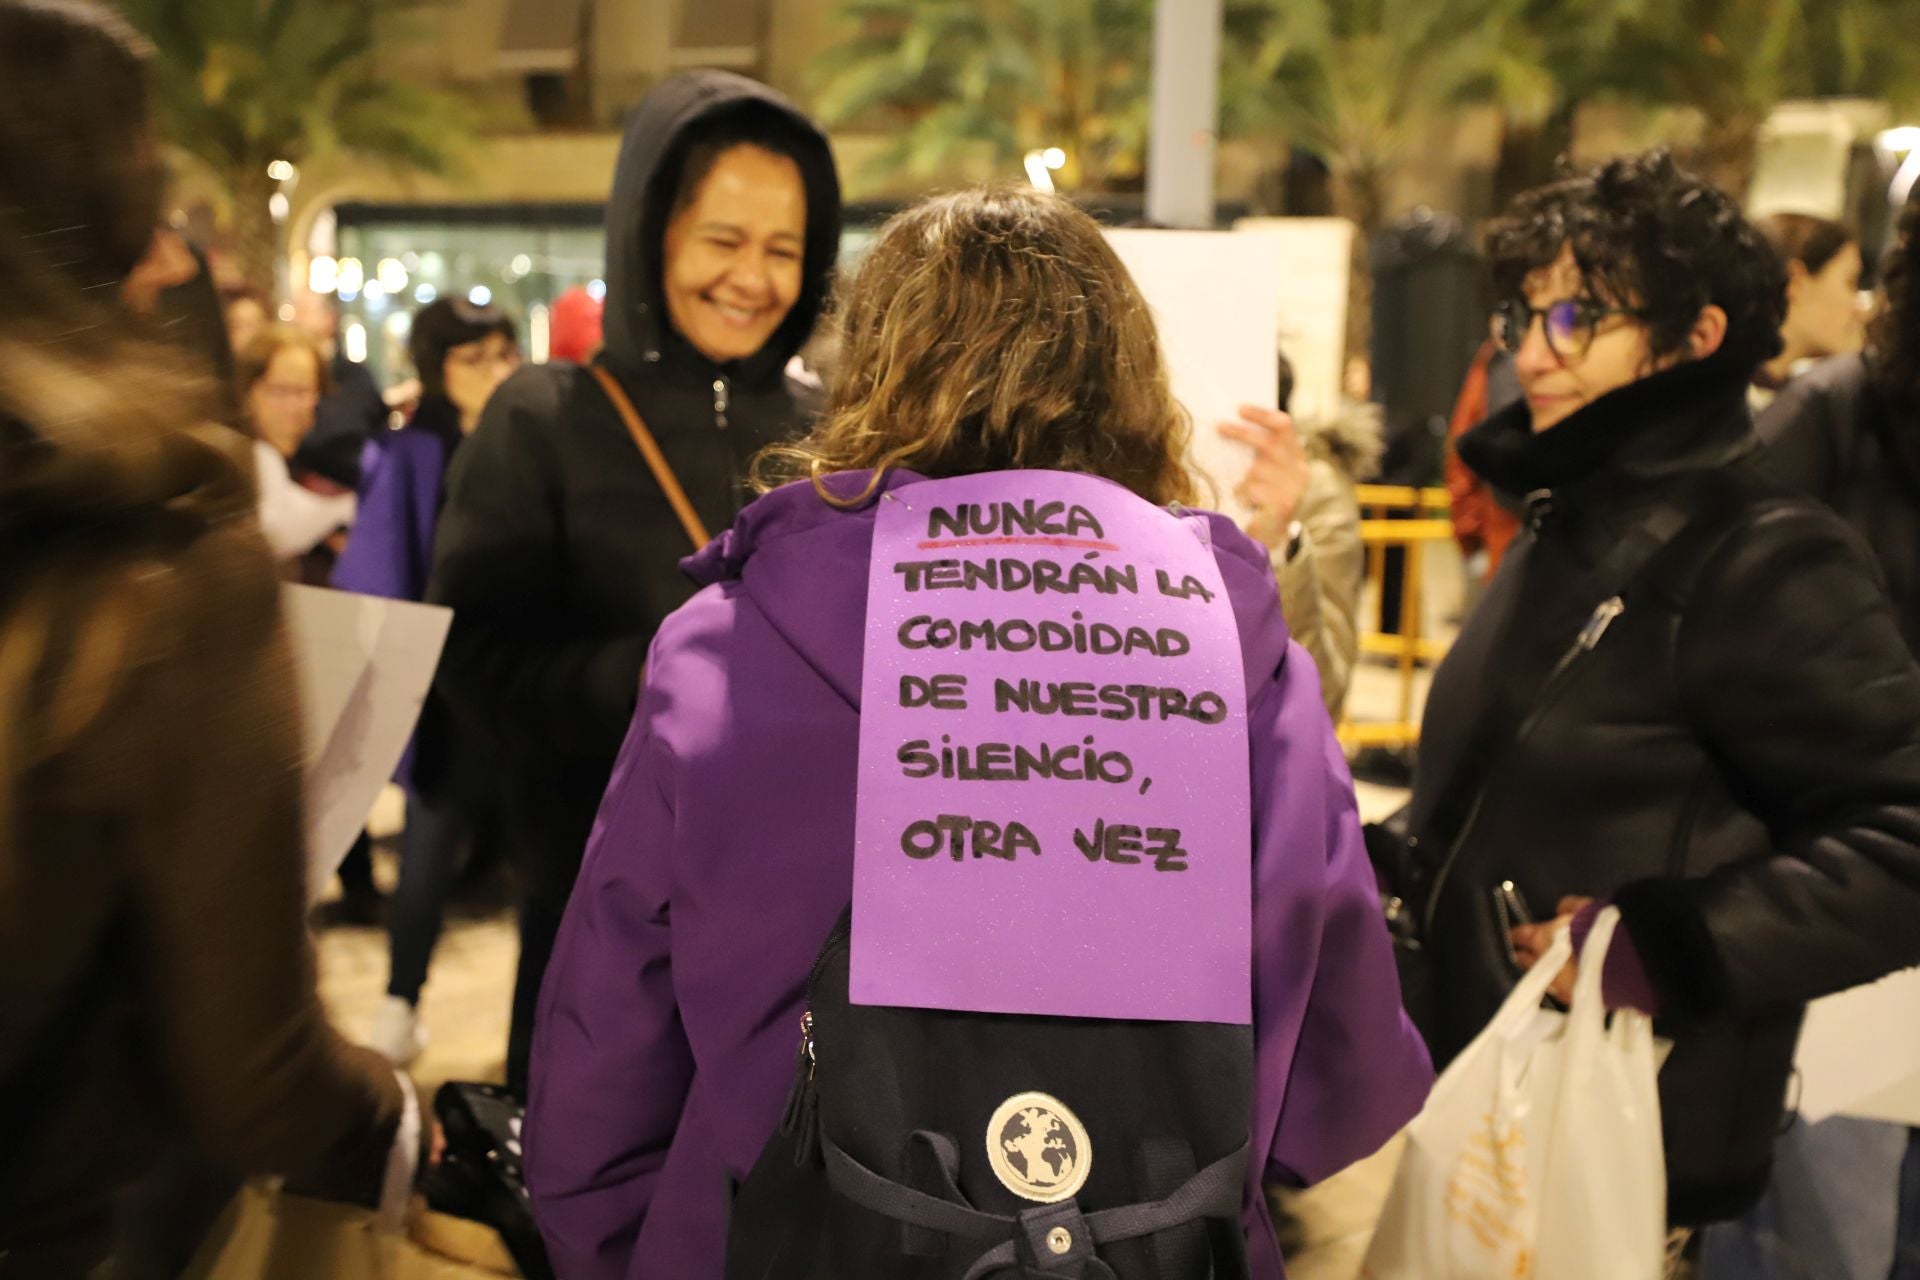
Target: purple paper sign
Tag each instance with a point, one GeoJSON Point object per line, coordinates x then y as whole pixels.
{"type": "Point", "coordinates": [1053, 799]}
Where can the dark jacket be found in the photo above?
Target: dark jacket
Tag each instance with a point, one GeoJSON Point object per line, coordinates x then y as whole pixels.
{"type": "Point", "coordinates": [156, 980]}
{"type": "Point", "coordinates": [1830, 434]}
{"type": "Point", "coordinates": [344, 420]}
{"type": "Point", "coordinates": [557, 549]}
{"type": "Point", "coordinates": [1734, 760]}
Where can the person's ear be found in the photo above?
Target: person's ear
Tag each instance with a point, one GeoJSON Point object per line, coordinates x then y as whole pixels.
{"type": "Point", "coordinates": [1709, 331]}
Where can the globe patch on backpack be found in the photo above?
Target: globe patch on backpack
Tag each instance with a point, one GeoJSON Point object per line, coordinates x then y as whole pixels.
{"type": "Point", "coordinates": [1038, 1148]}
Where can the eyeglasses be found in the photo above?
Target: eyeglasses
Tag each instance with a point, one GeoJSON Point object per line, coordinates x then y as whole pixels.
{"type": "Point", "coordinates": [1571, 324]}
{"type": "Point", "coordinates": [508, 356]}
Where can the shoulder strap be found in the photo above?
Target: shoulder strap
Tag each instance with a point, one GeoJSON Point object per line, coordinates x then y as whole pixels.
{"type": "Point", "coordinates": [656, 461]}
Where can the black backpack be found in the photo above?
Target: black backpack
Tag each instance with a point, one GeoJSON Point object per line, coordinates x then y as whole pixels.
{"type": "Point", "coordinates": [925, 1144]}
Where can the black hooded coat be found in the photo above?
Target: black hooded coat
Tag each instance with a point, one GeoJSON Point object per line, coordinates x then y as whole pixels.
{"type": "Point", "coordinates": [557, 549]}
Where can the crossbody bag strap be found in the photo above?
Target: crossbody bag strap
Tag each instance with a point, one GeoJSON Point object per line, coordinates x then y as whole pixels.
{"type": "Point", "coordinates": [656, 460]}
{"type": "Point", "coordinates": [1635, 558]}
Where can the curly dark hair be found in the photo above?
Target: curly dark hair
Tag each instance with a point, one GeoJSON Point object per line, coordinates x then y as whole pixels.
{"type": "Point", "coordinates": [1893, 338]}
{"type": "Point", "coordinates": [1650, 236]}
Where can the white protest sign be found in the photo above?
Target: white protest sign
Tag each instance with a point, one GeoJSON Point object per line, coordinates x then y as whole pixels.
{"type": "Point", "coordinates": [1312, 285]}
{"type": "Point", "coordinates": [365, 665]}
{"type": "Point", "coordinates": [1215, 298]}
{"type": "Point", "coordinates": [1859, 1052]}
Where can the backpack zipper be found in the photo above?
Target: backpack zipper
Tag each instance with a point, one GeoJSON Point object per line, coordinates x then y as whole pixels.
{"type": "Point", "coordinates": [1589, 637]}
{"type": "Point", "coordinates": [799, 1119]}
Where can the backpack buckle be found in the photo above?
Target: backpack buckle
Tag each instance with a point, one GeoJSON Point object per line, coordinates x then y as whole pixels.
{"type": "Point", "coordinates": [1054, 1240]}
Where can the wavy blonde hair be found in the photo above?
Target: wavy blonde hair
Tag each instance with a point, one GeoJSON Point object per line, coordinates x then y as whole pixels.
{"type": "Point", "coordinates": [992, 330]}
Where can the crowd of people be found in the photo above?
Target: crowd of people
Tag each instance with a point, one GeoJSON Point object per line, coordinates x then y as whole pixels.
{"type": "Point", "coordinates": [1688, 691]}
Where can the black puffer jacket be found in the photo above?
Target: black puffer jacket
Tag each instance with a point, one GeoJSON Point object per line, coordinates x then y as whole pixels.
{"type": "Point", "coordinates": [557, 549]}
{"type": "Point", "coordinates": [1830, 434]}
{"type": "Point", "coordinates": [1732, 754]}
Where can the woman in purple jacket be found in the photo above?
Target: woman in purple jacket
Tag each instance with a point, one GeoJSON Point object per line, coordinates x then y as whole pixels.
{"type": "Point", "coordinates": [460, 353]}
{"type": "Point", "coordinates": [986, 332]}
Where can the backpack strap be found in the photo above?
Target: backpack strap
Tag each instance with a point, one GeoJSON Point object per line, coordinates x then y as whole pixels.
{"type": "Point", "coordinates": [650, 450]}
{"type": "Point", "coordinates": [1214, 1192]}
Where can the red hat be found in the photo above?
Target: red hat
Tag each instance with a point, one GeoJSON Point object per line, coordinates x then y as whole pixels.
{"type": "Point", "coordinates": [573, 333]}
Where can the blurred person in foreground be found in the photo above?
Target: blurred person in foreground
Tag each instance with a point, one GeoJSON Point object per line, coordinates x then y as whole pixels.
{"type": "Point", "coordinates": [988, 331]}
{"type": "Point", "coordinates": [156, 982]}
{"type": "Point", "coordinates": [1301, 489]}
{"type": "Point", "coordinates": [1824, 316]}
{"type": "Point", "coordinates": [559, 551]}
{"type": "Point", "coordinates": [1848, 433]}
{"type": "Point", "coordinates": [461, 353]}
{"type": "Point", "coordinates": [1684, 692]}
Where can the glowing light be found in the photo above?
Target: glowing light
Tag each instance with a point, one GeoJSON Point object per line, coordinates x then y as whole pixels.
{"type": "Point", "coordinates": [393, 275]}
{"type": "Point", "coordinates": [278, 206]}
{"type": "Point", "coordinates": [323, 275]}
{"type": "Point", "coordinates": [539, 334]}
{"type": "Point", "coordinates": [282, 171]}
{"type": "Point", "coordinates": [1038, 175]}
{"type": "Point", "coordinates": [520, 266]}
{"type": "Point", "coordinates": [425, 293]}
{"type": "Point", "coordinates": [1905, 137]}
{"type": "Point", "coordinates": [1055, 158]}
{"type": "Point", "coordinates": [350, 275]}
{"type": "Point", "coordinates": [375, 291]}
{"type": "Point", "coordinates": [597, 290]}
{"type": "Point", "coordinates": [355, 341]}
{"type": "Point", "coordinates": [480, 295]}
{"type": "Point", "coordinates": [286, 313]}
{"type": "Point", "coordinates": [399, 324]}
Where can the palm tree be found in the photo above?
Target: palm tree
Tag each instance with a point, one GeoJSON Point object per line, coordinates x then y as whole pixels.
{"type": "Point", "coordinates": [1012, 76]}
{"type": "Point", "coordinates": [1357, 83]}
{"type": "Point", "coordinates": [1734, 60]}
{"type": "Point", "coordinates": [243, 84]}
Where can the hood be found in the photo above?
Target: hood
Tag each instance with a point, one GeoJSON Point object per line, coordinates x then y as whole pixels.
{"type": "Point", "coordinates": [1352, 440]}
{"type": "Point", "coordinates": [803, 564]}
{"type": "Point", "coordinates": [1692, 415]}
{"type": "Point", "coordinates": [635, 326]}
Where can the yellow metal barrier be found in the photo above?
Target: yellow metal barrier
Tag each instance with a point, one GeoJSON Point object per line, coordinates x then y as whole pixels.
{"type": "Point", "coordinates": [1405, 517]}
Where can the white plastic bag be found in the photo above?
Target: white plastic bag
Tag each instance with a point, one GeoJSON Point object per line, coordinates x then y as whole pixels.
{"type": "Point", "coordinates": [1538, 1154]}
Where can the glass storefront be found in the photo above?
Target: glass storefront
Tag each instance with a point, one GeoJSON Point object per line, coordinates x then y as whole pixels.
{"type": "Point", "coordinates": [391, 260]}
{"type": "Point", "coordinates": [394, 259]}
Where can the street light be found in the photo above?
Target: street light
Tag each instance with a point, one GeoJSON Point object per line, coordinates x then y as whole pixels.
{"type": "Point", "coordinates": [1041, 164]}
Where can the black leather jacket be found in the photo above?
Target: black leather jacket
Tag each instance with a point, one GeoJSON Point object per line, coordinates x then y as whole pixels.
{"type": "Point", "coordinates": [1831, 434]}
{"type": "Point", "coordinates": [1724, 741]}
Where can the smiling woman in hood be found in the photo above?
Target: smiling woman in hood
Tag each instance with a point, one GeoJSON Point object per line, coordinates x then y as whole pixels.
{"type": "Point", "coordinates": [558, 548]}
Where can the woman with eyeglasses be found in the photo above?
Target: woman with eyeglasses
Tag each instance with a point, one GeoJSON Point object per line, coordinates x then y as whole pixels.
{"type": "Point", "coordinates": [1684, 694]}
{"type": "Point", "coordinates": [461, 353]}
{"type": "Point", "coordinates": [281, 379]}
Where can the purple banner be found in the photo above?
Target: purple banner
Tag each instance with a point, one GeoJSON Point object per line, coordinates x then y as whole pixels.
{"type": "Point", "coordinates": [1053, 799]}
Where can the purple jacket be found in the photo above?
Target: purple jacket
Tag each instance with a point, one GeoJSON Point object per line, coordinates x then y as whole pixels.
{"type": "Point", "coordinates": [391, 546]}
{"type": "Point", "coordinates": [723, 855]}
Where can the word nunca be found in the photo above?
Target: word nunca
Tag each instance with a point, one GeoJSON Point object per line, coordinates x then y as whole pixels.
{"type": "Point", "coordinates": [980, 519]}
